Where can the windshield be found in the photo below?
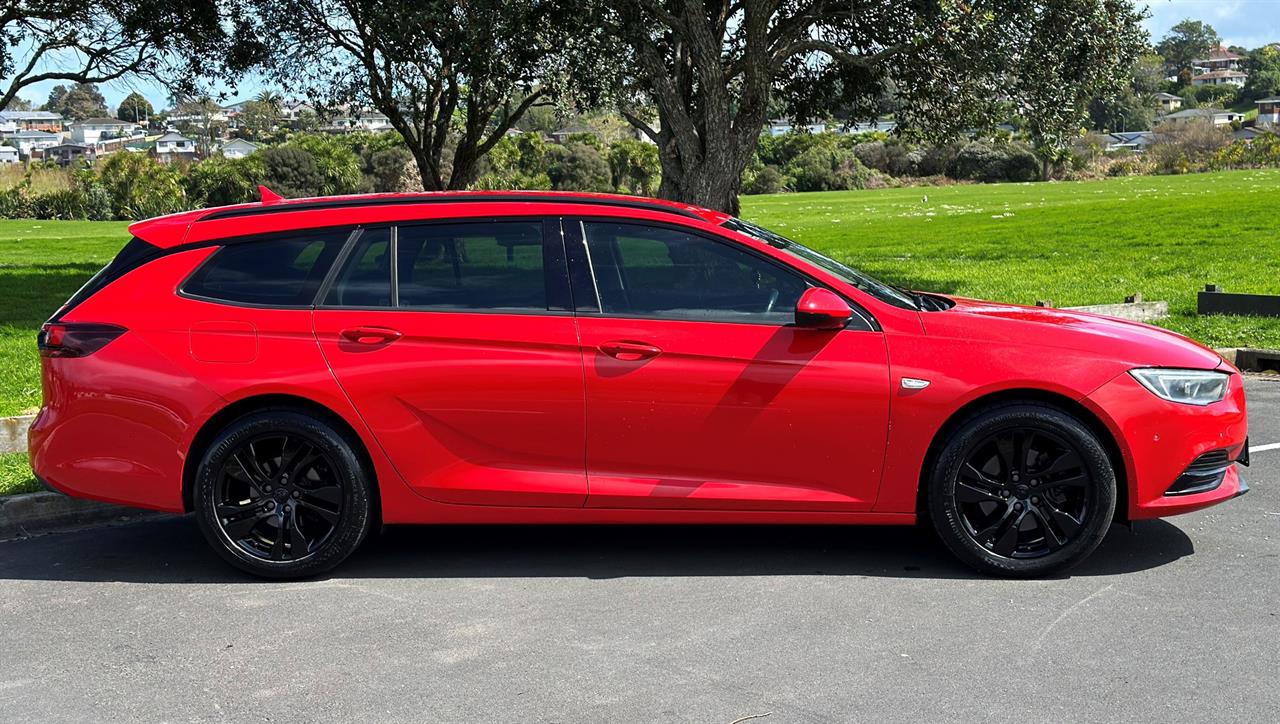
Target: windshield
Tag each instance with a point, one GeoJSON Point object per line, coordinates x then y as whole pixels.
{"type": "Point", "coordinates": [886, 293]}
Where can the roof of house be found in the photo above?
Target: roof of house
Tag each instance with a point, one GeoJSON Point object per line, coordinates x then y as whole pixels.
{"type": "Point", "coordinates": [1132, 136]}
{"type": "Point", "coordinates": [32, 134]}
{"type": "Point", "coordinates": [1268, 99]}
{"type": "Point", "coordinates": [1220, 53]}
{"type": "Point", "coordinates": [6, 150]}
{"type": "Point", "coordinates": [172, 136]}
{"type": "Point", "coordinates": [29, 116]}
{"type": "Point", "coordinates": [1221, 74]}
{"type": "Point", "coordinates": [1251, 132]}
{"type": "Point", "coordinates": [237, 142]}
{"type": "Point", "coordinates": [102, 122]}
{"type": "Point", "coordinates": [1167, 97]}
{"type": "Point", "coordinates": [1199, 113]}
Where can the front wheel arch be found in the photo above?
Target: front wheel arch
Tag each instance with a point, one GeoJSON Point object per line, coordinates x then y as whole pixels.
{"type": "Point", "coordinates": [216, 423]}
{"type": "Point", "coordinates": [1034, 396]}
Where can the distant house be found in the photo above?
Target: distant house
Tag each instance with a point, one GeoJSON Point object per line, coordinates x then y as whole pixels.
{"type": "Point", "coordinates": [562, 134]}
{"type": "Point", "coordinates": [290, 110]}
{"type": "Point", "coordinates": [1219, 59]}
{"type": "Point", "coordinates": [1167, 103]}
{"type": "Point", "coordinates": [14, 121]}
{"type": "Point", "coordinates": [1221, 77]}
{"type": "Point", "coordinates": [1218, 116]}
{"type": "Point", "coordinates": [372, 122]}
{"type": "Point", "coordinates": [239, 148]}
{"type": "Point", "coordinates": [28, 142]}
{"type": "Point", "coordinates": [92, 130]}
{"type": "Point", "coordinates": [8, 154]}
{"type": "Point", "coordinates": [65, 154]}
{"type": "Point", "coordinates": [780, 126]}
{"type": "Point", "coordinates": [1136, 141]}
{"type": "Point", "coordinates": [173, 147]}
{"type": "Point", "coordinates": [1269, 111]}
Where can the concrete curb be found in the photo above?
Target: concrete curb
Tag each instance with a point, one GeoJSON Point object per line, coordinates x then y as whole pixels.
{"type": "Point", "coordinates": [13, 433]}
{"type": "Point", "coordinates": [22, 516]}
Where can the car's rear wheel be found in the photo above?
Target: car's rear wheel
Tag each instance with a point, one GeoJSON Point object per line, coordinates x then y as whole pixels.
{"type": "Point", "coordinates": [1022, 490]}
{"type": "Point", "coordinates": [282, 494]}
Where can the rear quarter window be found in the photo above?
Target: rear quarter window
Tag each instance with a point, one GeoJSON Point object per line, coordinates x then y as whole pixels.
{"type": "Point", "coordinates": [283, 271]}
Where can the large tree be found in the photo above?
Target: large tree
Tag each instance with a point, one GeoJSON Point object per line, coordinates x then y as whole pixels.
{"type": "Point", "coordinates": [452, 76]}
{"type": "Point", "coordinates": [1187, 41]}
{"type": "Point", "coordinates": [135, 108]}
{"type": "Point", "coordinates": [78, 102]}
{"type": "Point", "coordinates": [713, 70]}
{"type": "Point", "coordinates": [96, 41]}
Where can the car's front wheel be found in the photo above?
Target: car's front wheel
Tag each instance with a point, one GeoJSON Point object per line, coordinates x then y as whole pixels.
{"type": "Point", "coordinates": [282, 494]}
{"type": "Point", "coordinates": [1022, 490]}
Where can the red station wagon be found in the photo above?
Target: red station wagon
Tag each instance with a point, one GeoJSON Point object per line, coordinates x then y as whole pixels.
{"type": "Point", "coordinates": [297, 372]}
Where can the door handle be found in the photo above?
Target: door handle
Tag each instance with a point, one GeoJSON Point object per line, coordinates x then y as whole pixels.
{"type": "Point", "coordinates": [370, 335]}
{"type": "Point", "coordinates": [629, 351]}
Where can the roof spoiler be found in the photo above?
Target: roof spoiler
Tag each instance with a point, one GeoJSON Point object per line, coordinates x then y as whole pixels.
{"type": "Point", "coordinates": [267, 196]}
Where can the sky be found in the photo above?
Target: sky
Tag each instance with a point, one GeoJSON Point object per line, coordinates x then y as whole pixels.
{"type": "Point", "coordinates": [1247, 23]}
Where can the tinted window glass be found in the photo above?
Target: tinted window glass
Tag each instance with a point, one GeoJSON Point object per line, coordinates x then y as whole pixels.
{"type": "Point", "coordinates": [277, 272]}
{"type": "Point", "coordinates": [669, 274]}
{"type": "Point", "coordinates": [472, 266]}
{"type": "Point", "coordinates": [365, 279]}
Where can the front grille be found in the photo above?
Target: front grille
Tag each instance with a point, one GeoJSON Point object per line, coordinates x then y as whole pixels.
{"type": "Point", "coordinates": [1202, 475]}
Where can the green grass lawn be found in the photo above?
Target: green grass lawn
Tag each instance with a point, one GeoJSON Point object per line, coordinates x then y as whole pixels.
{"type": "Point", "coordinates": [1072, 243]}
{"type": "Point", "coordinates": [15, 475]}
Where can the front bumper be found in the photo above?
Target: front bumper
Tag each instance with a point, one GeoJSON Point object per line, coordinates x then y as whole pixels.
{"type": "Point", "coordinates": [1162, 442]}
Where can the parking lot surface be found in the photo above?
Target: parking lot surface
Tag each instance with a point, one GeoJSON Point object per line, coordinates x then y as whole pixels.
{"type": "Point", "coordinates": [1175, 620]}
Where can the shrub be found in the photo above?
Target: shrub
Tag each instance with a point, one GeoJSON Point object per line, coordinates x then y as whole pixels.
{"type": "Point", "coordinates": [139, 187]}
{"type": "Point", "coordinates": [824, 168]}
{"type": "Point", "coordinates": [768, 180]}
{"type": "Point", "coordinates": [515, 163]}
{"type": "Point", "coordinates": [1020, 164]}
{"type": "Point", "coordinates": [634, 166]}
{"type": "Point", "coordinates": [218, 181]}
{"type": "Point", "coordinates": [977, 162]}
{"type": "Point", "coordinates": [1183, 147]}
{"type": "Point", "coordinates": [387, 169]}
{"type": "Point", "coordinates": [15, 203]}
{"type": "Point", "coordinates": [578, 167]}
{"type": "Point", "coordinates": [338, 165]}
{"type": "Point", "coordinates": [292, 172]}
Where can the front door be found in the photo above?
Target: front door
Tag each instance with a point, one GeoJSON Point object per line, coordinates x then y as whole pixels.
{"type": "Point", "coordinates": [701, 392]}
{"type": "Point", "coordinates": [456, 344]}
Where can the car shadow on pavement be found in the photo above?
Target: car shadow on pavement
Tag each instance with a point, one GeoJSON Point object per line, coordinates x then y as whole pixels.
{"type": "Point", "coordinates": [170, 550]}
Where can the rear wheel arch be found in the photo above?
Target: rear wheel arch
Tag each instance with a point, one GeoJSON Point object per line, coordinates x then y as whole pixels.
{"type": "Point", "coordinates": [222, 418]}
{"type": "Point", "coordinates": [1025, 396]}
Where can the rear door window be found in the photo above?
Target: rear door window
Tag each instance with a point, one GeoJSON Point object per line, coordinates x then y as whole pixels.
{"type": "Point", "coordinates": [476, 266]}
{"type": "Point", "coordinates": [283, 271]}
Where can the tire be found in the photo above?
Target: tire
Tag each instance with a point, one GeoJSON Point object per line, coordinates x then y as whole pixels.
{"type": "Point", "coordinates": [1025, 520]}
{"type": "Point", "coordinates": [263, 522]}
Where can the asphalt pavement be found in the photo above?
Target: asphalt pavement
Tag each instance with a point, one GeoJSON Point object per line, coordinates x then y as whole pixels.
{"type": "Point", "coordinates": [1176, 620]}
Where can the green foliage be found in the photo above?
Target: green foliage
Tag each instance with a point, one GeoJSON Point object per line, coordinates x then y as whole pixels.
{"type": "Point", "coordinates": [80, 101]}
{"type": "Point", "coordinates": [767, 180]}
{"type": "Point", "coordinates": [516, 163]}
{"type": "Point", "coordinates": [1187, 41]}
{"type": "Point", "coordinates": [827, 167]}
{"type": "Point", "coordinates": [339, 166]}
{"type": "Point", "coordinates": [1216, 95]}
{"type": "Point", "coordinates": [634, 166]}
{"type": "Point", "coordinates": [577, 166]}
{"type": "Point", "coordinates": [135, 108]}
{"type": "Point", "coordinates": [1263, 67]}
{"type": "Point", "coordinates": [292, 172]}
{"type": "Point", "coordinates": [218, 181]}
{"type": "Point", "coordinates": [139, 187]}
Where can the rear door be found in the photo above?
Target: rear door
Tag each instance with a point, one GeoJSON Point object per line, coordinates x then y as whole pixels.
{"type": "Point", "coordinates": [701, 391]}
{"type": "Point", "coordinates": [456, 343]}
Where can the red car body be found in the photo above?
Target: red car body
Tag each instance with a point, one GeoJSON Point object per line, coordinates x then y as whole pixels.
{"type": "Point", "coordinates": [589, 418]}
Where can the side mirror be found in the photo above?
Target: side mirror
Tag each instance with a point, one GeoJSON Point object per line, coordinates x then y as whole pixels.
{"type": "Point", "coordinates": [820, 308]}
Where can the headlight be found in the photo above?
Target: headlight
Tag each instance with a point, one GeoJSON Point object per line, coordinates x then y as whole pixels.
{"type": "Point", "coordinates": [1189, 387]}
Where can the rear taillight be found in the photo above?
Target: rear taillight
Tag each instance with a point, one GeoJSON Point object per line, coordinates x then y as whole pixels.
{"type": "Point", "coordinates": [75, 339]}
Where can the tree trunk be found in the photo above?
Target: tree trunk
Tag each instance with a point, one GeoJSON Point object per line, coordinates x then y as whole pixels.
{"type": "Point", "coordinates": [710, 183]}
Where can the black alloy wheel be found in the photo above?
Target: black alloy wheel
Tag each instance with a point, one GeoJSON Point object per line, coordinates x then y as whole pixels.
{"type": "Point", "coordinates": [1023, 490]}
{"type": "Point", "coordinates": [283, 494]}
{"type": "Point", "coordinates": [278, 497]}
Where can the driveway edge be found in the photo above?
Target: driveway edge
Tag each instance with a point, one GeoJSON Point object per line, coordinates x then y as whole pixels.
{"type": "Point", "coordinates": [23, 516]}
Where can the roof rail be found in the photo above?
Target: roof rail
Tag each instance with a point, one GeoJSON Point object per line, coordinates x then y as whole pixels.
{"type": "Point", "coordinates": [347, 202]}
